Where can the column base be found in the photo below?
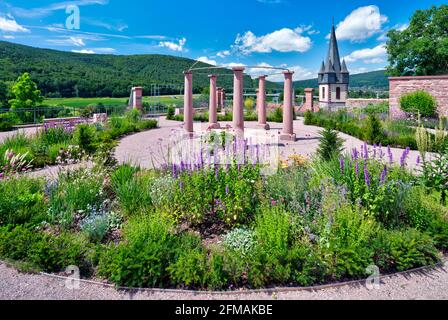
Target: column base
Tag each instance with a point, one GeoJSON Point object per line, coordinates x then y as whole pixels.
{"type": "Point", "coordinates": [264, 126]}
{"type": "Point", "coordinates": [214, 126]}
{"type": "Point", "coordinates": [288, 137]}
{"type": "Point", "coordinates": [188, 135]}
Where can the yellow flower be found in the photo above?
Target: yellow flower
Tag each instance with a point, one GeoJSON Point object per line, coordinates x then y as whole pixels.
{"type": "Point", "coordinates": [299, 160]}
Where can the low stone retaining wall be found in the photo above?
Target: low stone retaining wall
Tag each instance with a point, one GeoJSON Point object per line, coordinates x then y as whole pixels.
{"type": "Point", "coordinates": [362, 103]}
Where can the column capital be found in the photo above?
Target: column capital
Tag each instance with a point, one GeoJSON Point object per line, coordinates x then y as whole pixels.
{"type": "Point", "coordinates": [309, 89]}
{"type": "Point", "coordinates": [262, 77]}
{"type": "Point", "coordinates": [239, 68]}
{"type": "Point", "coordinates": [212, 76]}
{"type": "Point", "coordinates": [288, 72]}
{"type": "Point", "coordinates": [188, 72]}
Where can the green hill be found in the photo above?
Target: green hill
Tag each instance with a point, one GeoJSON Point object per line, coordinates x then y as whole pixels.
{"type": "Point", "coordinates": [66, 74]}
{"type": "Point", "coordinates": [369, 80]}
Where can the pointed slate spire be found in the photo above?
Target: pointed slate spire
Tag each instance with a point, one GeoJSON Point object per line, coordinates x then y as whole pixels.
{"type": "Point", "coordinates": [322, 68]}
{"type": "Point", "coordinates": [329, 68]}
{"type": "Point", "coordinates": [333, 51]}
{"type": "Point", "coordinates": [344, 67]}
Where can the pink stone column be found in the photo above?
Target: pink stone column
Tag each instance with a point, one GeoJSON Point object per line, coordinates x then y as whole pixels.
{"type": "Point", "coordinates": [219, 98]}
{"type": "Point", "coordinates": [223, 98]}
{"type": "Point", "coordinates": [261, 103]}
{"type": "Point", "coordinates": [288, 124]}
{"type": "Point", "coordinates": [137, 97]}
{"type": "Point", "coordinates": [213, 117]}
{"type": "Point", "coordinates": [188, 102]}
{"type": "Point", "coordinates": [238, 110]}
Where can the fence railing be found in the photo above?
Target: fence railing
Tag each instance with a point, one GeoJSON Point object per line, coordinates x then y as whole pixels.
{"type": "Point", "coordinates": [30, 116]}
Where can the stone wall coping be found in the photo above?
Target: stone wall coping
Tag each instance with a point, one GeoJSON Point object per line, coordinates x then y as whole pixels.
{"type": "Point", "coordinates": [418, 78]}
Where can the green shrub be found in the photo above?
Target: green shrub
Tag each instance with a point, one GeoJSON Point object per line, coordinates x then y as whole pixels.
{"type": "Point", "coordinates": [351, 242]}
{"type": "Point", "coordinates": [170, 113]}
{"type": "Point", "coordinates": [419, 101]}
{"type": "Point", "coordinates": [76, 193]}
{"type": "Point", "coordinates": [374, 130]}
{"type": "Point", "coordinates": [230, 195]}
{"type": "Point", "coordinates": [143, 258]}
{"type": "Point", "coordinates": [132, 189]}
{"type": "Point", "coordinates": [330, 145]}
{"type": "Point", "coordinates": [399, 250]}
{"type": "Point", "coordinates": [190, 267]}
{"type": "Point", "coordinates": [53, 136]}
{"type": "Point", "coordinates": [276, 115]}
{"type": "Point", "coordinates": [241, 240]}
{"type": "Point", "coordinates": [133, 116]}
{"type": "Point", "coordinates": [308, 121]}
{"type": "Point", "coordinates": [21, 201]}
{"type": "Point", "coordinates": [84, 137]}
{"type": "Point", "coordinates": [146, 124]}
{"type": "Point", "coordinates": [7, 121]}
{"type": "Point", "coordinates": [51, 253]}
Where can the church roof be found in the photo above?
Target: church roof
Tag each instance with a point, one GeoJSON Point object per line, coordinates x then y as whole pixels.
{"type": "Point", "coordinates": [344, 67]}
{"type": "Point", "coordinates": [333, 70]}
{"type": "Point", "coordinates": [322, 68]}
{"type": "Point", "coordinates": [333, 51]}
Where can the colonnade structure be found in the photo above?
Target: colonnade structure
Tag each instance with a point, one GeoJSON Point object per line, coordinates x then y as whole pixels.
{"type": "Point", "coordinates": [217, 98]}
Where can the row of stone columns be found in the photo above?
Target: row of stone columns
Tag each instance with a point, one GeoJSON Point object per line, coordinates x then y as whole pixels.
{"type": "Point", "coordinates": [217, 98]}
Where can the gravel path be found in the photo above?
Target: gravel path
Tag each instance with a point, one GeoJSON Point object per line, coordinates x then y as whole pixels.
{"type": "Point", "coordinates": [148, 149]}
{"type": "Point", "coordinates": [430, 283]}
{"type": "Point", "coordinates": [27, 131]}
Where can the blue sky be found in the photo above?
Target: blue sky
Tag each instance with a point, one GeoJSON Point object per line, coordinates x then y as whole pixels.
{"type": "Point", "coordinates": [288, 33]}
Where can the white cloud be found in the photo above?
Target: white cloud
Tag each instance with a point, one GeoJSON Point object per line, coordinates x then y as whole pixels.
{"type": "Point", "coordinates": [8, 37]}
{"type": "Point", "coordinates": [96, 50]}
{"type": "Point", "coordinates": [276, 75]}
{"type": "Point", "coordinates": [68, 41]}
{"type": "Point", "coordinates": [223, 54]}
{"type": "Point", "coordinates": [398, 27]}
{"type": "Point", "coordinates": [207, 60]}
{"type": "Point", "coordinates": [377, 54]}
{"type": "Point", "coordinates": [361, 24]}
{"type": "Point", "coordinates": [113, 26]}
{"type": "Point", "coordinates": [85, 51]}
{"type": "Point", "coordinates": [9, 24]}
{"type": "Point", "coordinates": [283, 40]}
{"type": "Point", "coordinates": [45, 11]}
{"type": "Point", "coordinates": [174, 46]}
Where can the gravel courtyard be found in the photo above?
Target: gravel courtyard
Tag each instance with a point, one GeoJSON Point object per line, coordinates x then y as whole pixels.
{"type": "Point", "coordinates": [148, 149]}
{"type": "Point", "coordinates": [431, 283]}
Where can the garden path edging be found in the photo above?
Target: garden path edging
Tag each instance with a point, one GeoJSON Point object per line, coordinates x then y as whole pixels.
{"type": "Point", "coordinates": [361, 282]}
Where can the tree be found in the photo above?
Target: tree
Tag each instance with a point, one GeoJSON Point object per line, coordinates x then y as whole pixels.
{"type": "Point", "coordinates": [330, 145]}
{"type": "Point", "coordinates": [25, 93]}
{"type": "Point", "coordinates": [3, 93]}
{"type": "Point", "coordinates": [422, 48]}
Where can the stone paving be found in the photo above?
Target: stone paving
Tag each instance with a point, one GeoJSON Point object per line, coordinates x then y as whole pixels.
{"type": "Point", "coordinates": [149, 149]}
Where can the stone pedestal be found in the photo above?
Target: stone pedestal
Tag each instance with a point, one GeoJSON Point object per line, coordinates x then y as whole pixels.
{"type": "Point", "coordinates": [137, 98]}
{"type": "Point", "coordinates": [288, 122]}
{"type": "Point", "coordinates": [309, 100]}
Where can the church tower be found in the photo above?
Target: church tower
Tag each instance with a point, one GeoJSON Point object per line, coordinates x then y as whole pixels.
{"type": "Point", "coordinates": [333, 78]}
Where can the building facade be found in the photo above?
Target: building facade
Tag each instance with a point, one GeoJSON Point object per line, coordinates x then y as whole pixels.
{"type": "Point", "coordinates": [333, 78]}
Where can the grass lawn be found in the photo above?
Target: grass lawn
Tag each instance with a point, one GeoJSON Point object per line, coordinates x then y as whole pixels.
{"type": "Point", "coordinates": [84, 102]}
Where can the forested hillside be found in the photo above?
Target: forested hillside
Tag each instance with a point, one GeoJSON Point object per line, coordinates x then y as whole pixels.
{"type": "Point", "coordinates": [375, 80]}
{"type": "Point", "coordinates": [66, 74]}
